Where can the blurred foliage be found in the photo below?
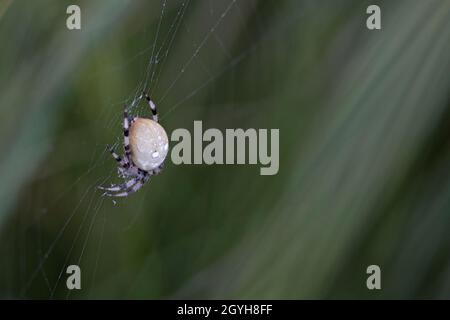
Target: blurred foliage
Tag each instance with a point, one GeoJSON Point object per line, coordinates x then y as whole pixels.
{"type": "Point", "coordinates": [364, 150]}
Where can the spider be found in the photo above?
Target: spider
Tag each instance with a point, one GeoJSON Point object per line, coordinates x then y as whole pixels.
{"type": "Point", "coordinates": [145, 144]}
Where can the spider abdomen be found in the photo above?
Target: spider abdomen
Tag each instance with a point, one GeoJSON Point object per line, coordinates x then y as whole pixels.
{"type": "Point", "coordinates": [149, 144]}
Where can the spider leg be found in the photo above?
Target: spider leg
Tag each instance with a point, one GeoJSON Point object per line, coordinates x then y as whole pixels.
{"type": "Point", "coordinates": [122, 186]}
{"type": "Point", "coordinates": [126, 132]}
{"type": "Point", "coordinates": [152, 106]}
{"type": "Point", "coordinates": [140, 182]}
{"type": "Point", "coordinates": [122, 162]}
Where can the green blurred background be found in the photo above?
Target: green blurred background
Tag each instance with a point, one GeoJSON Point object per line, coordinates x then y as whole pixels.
{"type": "Point", "coordinates": [364, 149]}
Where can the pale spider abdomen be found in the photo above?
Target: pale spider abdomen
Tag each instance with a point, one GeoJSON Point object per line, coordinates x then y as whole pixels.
{"type": "Point", "coordinates": [149, 143]}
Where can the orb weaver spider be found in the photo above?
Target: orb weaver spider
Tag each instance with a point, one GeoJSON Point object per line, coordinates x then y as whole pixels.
{"type": "Point", "coordinates": [145, 145]}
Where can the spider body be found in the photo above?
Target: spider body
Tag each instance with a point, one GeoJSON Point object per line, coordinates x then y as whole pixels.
{"type": "Point", "coordinates": [149, 144]}
{"type": "Point", "coordinates": [145, 148]}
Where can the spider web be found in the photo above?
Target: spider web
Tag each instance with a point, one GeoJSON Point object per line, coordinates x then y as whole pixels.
{"type": "Point", "coordinates": [173, 71]}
